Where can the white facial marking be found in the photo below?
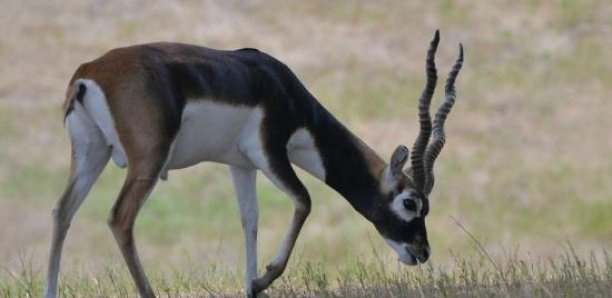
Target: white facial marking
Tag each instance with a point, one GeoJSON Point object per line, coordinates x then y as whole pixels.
{"type": "Point", "coordinates": [96, 106]}
{"type": "Point", "coordinates": [402, 253]}
{"type": "Point", "coordinates": [400, 210]}
{"type": "Point", "coordinates": [303, 153]}
{"type": "Point", "coordinates": [419, 204]}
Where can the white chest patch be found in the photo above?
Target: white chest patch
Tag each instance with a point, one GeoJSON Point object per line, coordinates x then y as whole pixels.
{"type": "Point", "coordinates": [210, 131]}
{"type": "Point", "coordinates": [303, 153]}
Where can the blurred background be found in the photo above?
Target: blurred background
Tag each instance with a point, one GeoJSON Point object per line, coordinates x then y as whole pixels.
{"type": "Point", "coordinates": [527, 167]}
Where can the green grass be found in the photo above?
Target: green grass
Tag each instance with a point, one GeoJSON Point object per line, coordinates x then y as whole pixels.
{"type": "Point", "coordinates": [566, 275]}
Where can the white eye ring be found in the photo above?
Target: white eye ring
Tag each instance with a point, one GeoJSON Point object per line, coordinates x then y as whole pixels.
{"type": "Point", "coordinates": [398, 206]}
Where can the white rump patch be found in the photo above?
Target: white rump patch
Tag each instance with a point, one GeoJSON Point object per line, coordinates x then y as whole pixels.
{"type": "Point", "coordinates": [96, 106]}
{"type": "Point", "coordinates": [87, 142]}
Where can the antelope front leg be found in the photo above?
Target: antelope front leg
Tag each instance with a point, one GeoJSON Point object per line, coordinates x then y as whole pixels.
{"type": "Point", "coordinates": [277, 266]}
{"type": "Point", "coordinates": [284, 177]}
{"type": "Point", "coordinates": [245, 187]}
{"type": "Point", "coordinates": [273, 161]}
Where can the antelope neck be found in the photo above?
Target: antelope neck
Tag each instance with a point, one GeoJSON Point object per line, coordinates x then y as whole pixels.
{"type": "Point", "coordinates": [352, 168]}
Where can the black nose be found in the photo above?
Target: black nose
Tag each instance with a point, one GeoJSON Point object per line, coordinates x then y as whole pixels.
{"type": "Point", "coordinates": [426, 253]}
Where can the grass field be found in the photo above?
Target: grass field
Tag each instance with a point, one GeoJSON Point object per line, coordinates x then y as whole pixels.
{"type": "Point", "coordinates": [526, 169]}
{"type": "Point", "coordinates": [565, 275]}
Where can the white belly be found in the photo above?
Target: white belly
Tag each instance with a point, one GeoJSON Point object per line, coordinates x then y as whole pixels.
{"type": "Point", "coordinates": [227, 134]}
{"type": "Point", "coordinates": [211, 132]}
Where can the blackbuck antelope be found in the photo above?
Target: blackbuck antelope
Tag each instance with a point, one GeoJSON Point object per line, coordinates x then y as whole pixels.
{"type": "Point", "coordinates": [163, 106]}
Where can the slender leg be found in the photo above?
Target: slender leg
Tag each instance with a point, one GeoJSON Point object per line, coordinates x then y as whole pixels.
{"type": "Point", "coordinates": [245, 187]}
{"type": "Point", "coordinates": [89, 156]}
{"type": "Point", "coordinates": [134, 193]}
{"type": "Point", "coordinates": [280, 172]}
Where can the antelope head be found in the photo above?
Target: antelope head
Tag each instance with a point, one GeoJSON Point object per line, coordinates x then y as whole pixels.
{"type": "Point", "coordinates": [400, 213]}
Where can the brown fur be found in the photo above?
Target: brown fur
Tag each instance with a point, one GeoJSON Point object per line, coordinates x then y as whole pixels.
{"type": "Point", "coordinates": [376, 165]}
{"type": "Point", "coordinates": [139, 123]}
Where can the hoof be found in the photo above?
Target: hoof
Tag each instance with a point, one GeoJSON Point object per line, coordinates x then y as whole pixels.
{"type": "Point", "coordinates": [257, 288]}
{"type": "Point", "coordinates": [259, 285]}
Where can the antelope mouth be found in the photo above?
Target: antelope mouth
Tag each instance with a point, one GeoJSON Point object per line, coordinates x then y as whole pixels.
{"type": "Point", "coordinates": [404, 254]}
{"type": "Point", "coordinates": [408, 259]}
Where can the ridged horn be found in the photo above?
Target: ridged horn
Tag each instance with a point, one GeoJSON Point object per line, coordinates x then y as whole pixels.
{"type": "Point", "coordinates": [420, 144]}
{"type": "Point", "coordinates": [439, 137]}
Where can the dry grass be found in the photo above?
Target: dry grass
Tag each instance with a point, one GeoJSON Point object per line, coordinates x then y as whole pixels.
{"type": "Point", "coordinates": [566, 275]}
{"type": "Point", "coordinates": [528, 162]}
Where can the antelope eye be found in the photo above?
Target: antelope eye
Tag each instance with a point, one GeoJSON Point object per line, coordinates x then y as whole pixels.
{"type": "Point", "coordinates": [410, 205]}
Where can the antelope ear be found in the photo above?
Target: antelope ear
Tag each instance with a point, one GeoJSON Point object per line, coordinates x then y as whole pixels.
{"type": "Point", "coordinates": [398, 160]}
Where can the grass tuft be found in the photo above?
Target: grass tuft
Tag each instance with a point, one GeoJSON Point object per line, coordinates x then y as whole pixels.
{"type": "Point", "coordinates": [567, 275]}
